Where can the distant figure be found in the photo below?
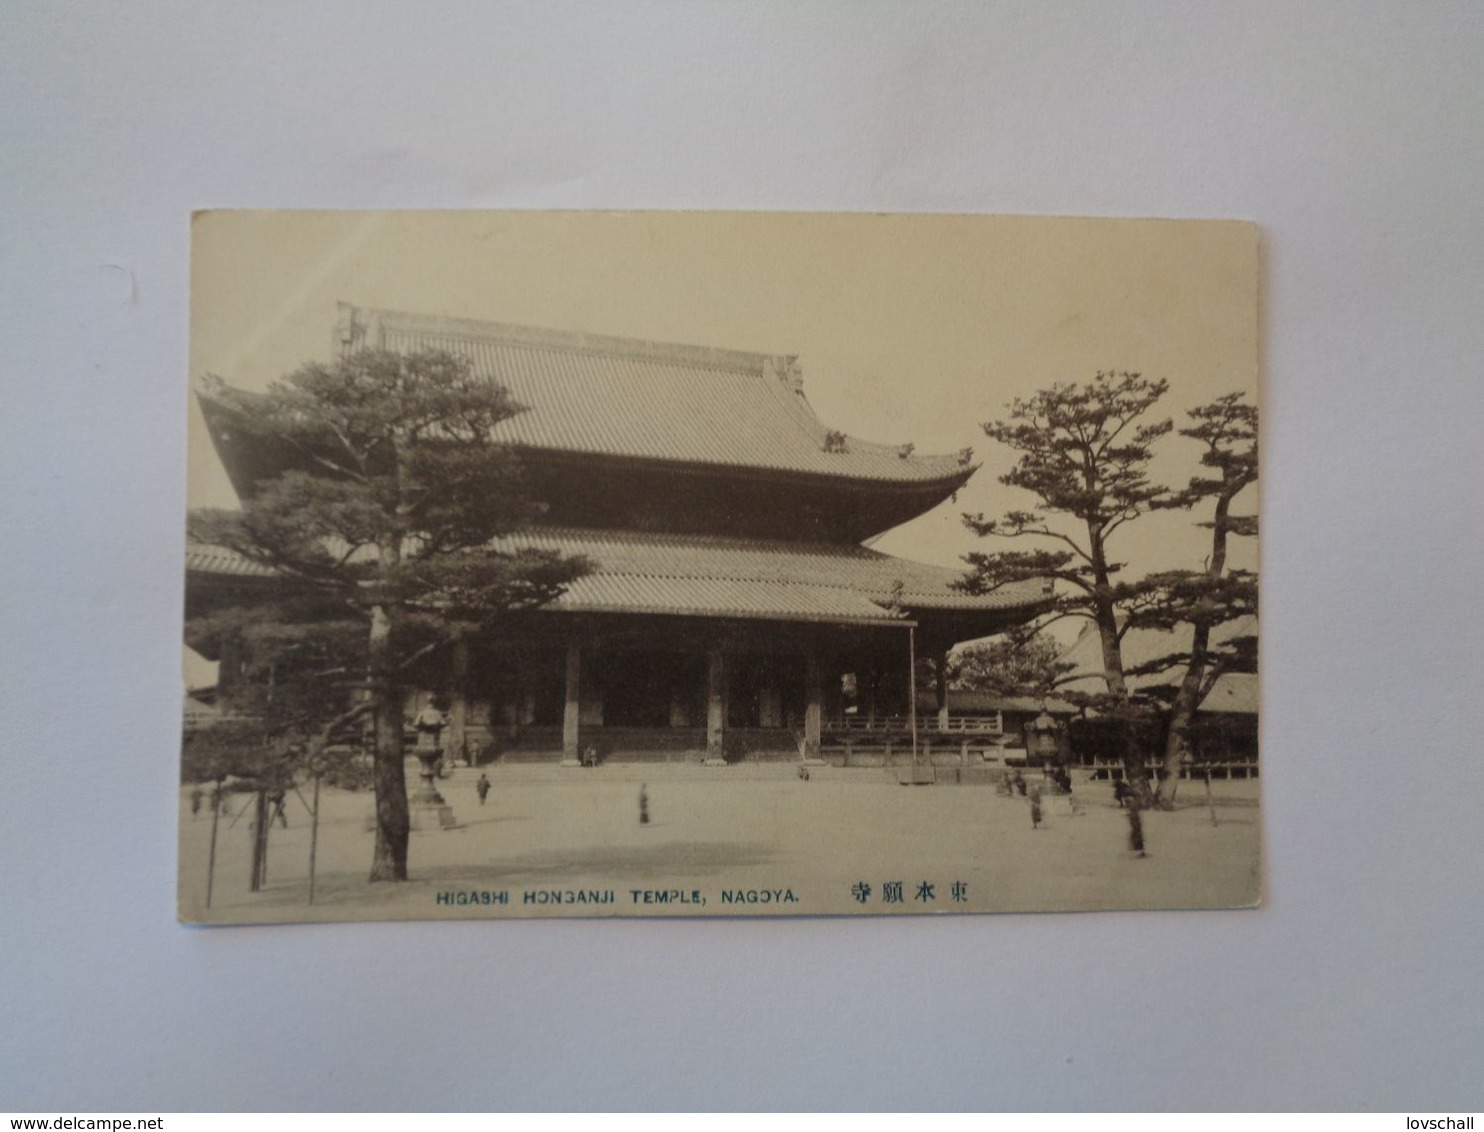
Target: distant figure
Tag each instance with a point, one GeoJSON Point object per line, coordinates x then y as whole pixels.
{"type": "Point", "coordinates": [1121, 791]}
{"type": "Point", "coordinates": [196, 796]}
{"type": "Point", "coordinates": [804, 773]}
{"type": "Point", "coordinates": [590, 756]}
{"type": "Point", "coordinates": [483, 786]}
{"type": "Point", "coordinates": [1018, 780]}
{"type": "Point", "coordinates": [1035, 797]}
{"type": "Point", "coordinates": [276, 800]}
{"type": "Point", "coordinates": [644, 804]}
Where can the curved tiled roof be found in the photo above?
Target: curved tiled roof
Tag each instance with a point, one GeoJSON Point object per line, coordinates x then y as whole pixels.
{"type": "Point", "coordinates": [1233, 691]}
{"type": "Point", "coordinates": [202, 558]}
{"type": "Point", "coordinates": [854, 569]}
{"type": "Point", "coordinates": [652, 400]}
{"type": "Point", "coordinates": [730, 598]}
{"type": "Point", "coordinates": [722, 577]}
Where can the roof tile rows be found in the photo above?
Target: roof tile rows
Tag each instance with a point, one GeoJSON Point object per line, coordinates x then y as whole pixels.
{"type": "Point", "coordinates": [878, 577]}
{"type": "Point", "coordinates": [631, 398]}
{"type": "Point", "coordinates": [221, 562]}
{"type": "Point", "coordinates": [721, 597]}
{"type": "Point", "coordinates": [1232, 692]}
{"type": "Point", "coordinates": [721, 577]}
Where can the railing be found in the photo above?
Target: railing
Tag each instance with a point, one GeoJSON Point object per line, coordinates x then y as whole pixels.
{"type": "Point", "coordinates": [1108, 769]}
{"type": "Point", "coordinates": [971, 725]}
{"type": "Point", "coordinates": [900, 725]}
{"type": "Point", "coordinates": [895, 749]}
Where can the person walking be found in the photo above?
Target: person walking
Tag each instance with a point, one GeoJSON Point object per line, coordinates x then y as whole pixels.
{"type": "Point", "coordinates": [483, 786]}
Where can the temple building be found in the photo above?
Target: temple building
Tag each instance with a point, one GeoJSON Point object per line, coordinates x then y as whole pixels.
{"type": "Point", "coordinates": [1225, 734]}
{"type": "Point", "coordinates": [732, 612]}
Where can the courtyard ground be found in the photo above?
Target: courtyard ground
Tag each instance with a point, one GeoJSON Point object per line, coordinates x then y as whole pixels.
{"type": "Point", "coordinates": [741, 840]}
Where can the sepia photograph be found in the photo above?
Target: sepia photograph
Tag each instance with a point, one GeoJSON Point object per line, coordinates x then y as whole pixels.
{"type": "Point", "coordinates": [719, 564]}
{"type": "Point", "coordinates": [705, 557]}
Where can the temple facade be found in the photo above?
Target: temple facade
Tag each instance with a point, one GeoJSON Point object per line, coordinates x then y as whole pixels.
{"type": "Point", "coordinates": [732, 612]}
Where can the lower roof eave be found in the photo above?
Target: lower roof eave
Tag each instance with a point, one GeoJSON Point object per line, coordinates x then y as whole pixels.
{"type": "Point", "coordinates": [573, 608]}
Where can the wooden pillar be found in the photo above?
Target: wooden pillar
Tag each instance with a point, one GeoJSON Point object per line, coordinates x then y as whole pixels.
{"type": "Point", "coordinates": [769, 703]}
{"type": "Point", "coordinates": [229, 666]}
{"type": "Point", "coordinates": [912, 688]}
{"type": "Point", "coordinates": [716, 707]}
{"type": "Point", "coordinates": [458, 702]}
{"type": "Point", "coordinates": [572, 710]}
{"type": "Point", "coordinates": [813, 706]}
{"type": "Point", "coordinates": [512, 713]}
{"type": "Point", "coordinates": [941, 687]}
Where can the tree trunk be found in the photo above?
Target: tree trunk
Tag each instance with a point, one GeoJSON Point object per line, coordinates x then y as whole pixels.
{"type": "Point", "coordinates": [1135, 769]}
{"type": "Point", "coordinates": [259, 842]}
{"type": "Point", "coordinates": [216, 814]}
{"type": "Point", "coordinates": [1105, 616]}
{"type": "Point", "coordinates": [1135, 763]}
{"type": "Point", "coordinates": [313, 837]}
{"type": "Point", "coordinates": [1182, 714]}
{"type": "Point", "coordinates": [1188, 699]}
{"type": "Point", "coordinates": [393, 824]}
{"type": "Point", "coordinates": [1112, 651]}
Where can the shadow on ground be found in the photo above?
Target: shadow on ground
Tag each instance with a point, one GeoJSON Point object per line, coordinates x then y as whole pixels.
{"type": "Point", "coordinates": [592, 867]}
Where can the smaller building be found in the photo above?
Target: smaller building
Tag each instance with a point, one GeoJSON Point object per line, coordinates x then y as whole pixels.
{"type": "Point", "coordinates": [1007, 718]}
{"type": "Point", "coordinates": [1224, 734]}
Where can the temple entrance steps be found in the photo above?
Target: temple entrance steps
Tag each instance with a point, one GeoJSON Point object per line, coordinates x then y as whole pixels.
{"type": "Point", "coordinates": [651, 772]}
{"type": "Point", "coordinates": [615, 771]}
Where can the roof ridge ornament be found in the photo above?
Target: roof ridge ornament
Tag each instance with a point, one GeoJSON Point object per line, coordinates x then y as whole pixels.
{"type": "Point", "coordinates": [784, 368]}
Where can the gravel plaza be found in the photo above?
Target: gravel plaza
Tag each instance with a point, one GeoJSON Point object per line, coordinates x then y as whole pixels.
{"type": "Point", "coordinates": [753, 839]}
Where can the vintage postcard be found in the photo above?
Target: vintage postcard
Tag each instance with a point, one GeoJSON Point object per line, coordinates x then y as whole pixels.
{"type": "Point", "coordinates": [678, 564]}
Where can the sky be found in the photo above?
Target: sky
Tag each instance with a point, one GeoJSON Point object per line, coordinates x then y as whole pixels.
{"type": "Point", "coordinates": [912, 328]}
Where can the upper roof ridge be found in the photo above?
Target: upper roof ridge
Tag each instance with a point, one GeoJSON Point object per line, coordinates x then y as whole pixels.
{"type": "Point", "coordinates": [357, 326]}
{"type": "Point", "coordinates": [777, 376]}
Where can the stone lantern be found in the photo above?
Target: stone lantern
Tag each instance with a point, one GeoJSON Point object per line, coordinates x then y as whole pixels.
{"type": "Point", "coordinates": [428, 806]}
{"type": "Point", "coordinates": [1043, 739]}
{"type": "Point", "coordinates": [1046, 744]}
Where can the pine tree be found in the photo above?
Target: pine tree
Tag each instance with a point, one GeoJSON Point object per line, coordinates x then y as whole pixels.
{"type": "Point", "coordinates": [390, 491]}
{"type": "Point", "coordinates": [1084, 454]}
{"type": "Point", "coordinates": [1021, 662]}
{"type": "Point", "coordinates": [1204, 599]}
